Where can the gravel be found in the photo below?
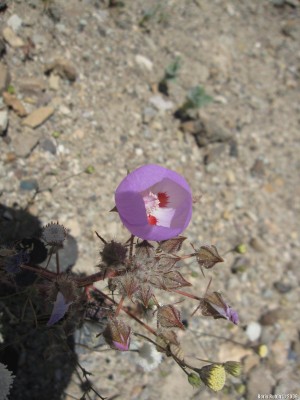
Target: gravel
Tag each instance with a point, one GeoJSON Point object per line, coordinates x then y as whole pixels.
{"type": "Point", "coordinates": [106, 113]}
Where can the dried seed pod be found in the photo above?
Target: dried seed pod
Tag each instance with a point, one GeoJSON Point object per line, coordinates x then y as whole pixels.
{"type": "Point", "coordinates": [169, 317]}
{"type": "Point", "coordinates": [54, 234]}
{"type": "Point", "coordinates": [145, 294]}
{"type": "Point", "coordinates": [207, 256]}
{"type": "Point", "coordinates": [113, 253]}
{"type": "Point", "coordinates": [171, 245]}
{"type": "Point", "coordinates": [117, 334]}
{"type": "Point", "coordinates": [144, 249]}
{"type": "Point", "coordinates": [173, 280]}
{"type": "Point", "coordinates": [128, 285]}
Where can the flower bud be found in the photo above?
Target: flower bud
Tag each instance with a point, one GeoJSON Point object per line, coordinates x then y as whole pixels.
{"type": "Point", "coordinates": [194, 380]}
{"type": "Point", "coordinates": [213, 305]}
{"type": "Point", "coordinates": [233, 368]}
{"type": "Point", "coordinates": [262, 350]}
{"type": "Point", "coordinates": [241, 248]}
{"type": "Point", "coordinates": [213, 376]}
{"type": "Point", "coordinates": [240, 389]}
{"type": "Point", "coordinates": [113, 253]}
{"type": "Point", "coordinates": [54, 234]}
{"type": "Point", "coordinates": [117, 334]}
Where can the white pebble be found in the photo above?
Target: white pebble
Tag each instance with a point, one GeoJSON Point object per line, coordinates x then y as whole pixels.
{"type": "Point", "coordinates": [139, 151]}
{"type": "Point", "coordinates": [144, 62]}
{"type": "Point", "coordinates": [253, 331]}
{"type": "Point", "coordinates": [14, 22]}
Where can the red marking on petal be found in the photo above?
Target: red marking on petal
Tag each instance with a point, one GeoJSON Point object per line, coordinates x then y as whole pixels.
{"type": "Point", "coordinates": [163, 199]}
{"type": "Point", "coordinates": [152, 220]}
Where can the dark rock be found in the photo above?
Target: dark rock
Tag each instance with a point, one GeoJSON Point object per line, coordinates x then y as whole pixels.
{"type": "Point", "coordinates": [214, 153]}
{"type": "Point", "coordinates": [271, 317]}
{"type": "Point", "coordinates": [282, 287]}
{"type": "Point", "coordinates": [240, 264]}
{"type": "Point", "coordinates": [2, 48]}
{"type": "Point", "coordinates": [233, 149]}
{"type": "Point", "coordinates": [29, 184]}
{"type": "Point", "coordinates": [206, 131]}
{"type": "Point", "coordinates": [291, 29]}
{"type": "Point", "coordinates": [3, 5]}
{"type": "Point", "coordinates": [258, 168]}
{"type": "Point", "coordinates": [257, 244]}
{"type": "Point", "coordinates": [62, 67]}
{"type": "Point", "coordinates": [4, 77]}
{"type": "Point", "coordinates": [54, 12]}
{"type": "Point", "coordinates": [24, 143]}
{"type": "Point", "coordinates": [48, 145]}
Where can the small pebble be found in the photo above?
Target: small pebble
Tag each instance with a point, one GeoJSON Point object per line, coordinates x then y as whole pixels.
{"type": "Point", "coordinates": [271, 317]}
{"type": "Point", "coordinates": [29, 184]}
{"type": "Point", "coordinates": [257, 244]}
{"type": "Point", "coordinates": [258, 168]}
{"type": "Point", "coordinates": [14, 22]}
{"type": "Point", "coordinates": [139, 152]}
{"type": "Point", "coordinates": [48, 145]}
{"type": "Point", "coordinates": [282, 287]}
{"type": "Point", "coordinates": [3, 122]}
{"type": "Point", "coordinates": [253, 331]}
{"type": "Point", "coordinates": [144, 62]}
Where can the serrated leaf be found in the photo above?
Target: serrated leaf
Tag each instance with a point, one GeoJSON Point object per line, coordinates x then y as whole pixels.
{"type": "Point", "coordinates": [172, 69]}
{"type": "Point", "coordinates": [207, 256]}
{"type": "Point", "coordinates": [197, 97]}
{"type": "Point", "coordinates": [172, 245]}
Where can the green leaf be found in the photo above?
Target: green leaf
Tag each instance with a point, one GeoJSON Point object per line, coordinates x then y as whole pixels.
{"type": "Point", "coordinates": [171, 72]}
{"type": "Point", "coordinates": [89, 170]}
{"type": "Point", "coordinates": [197, 97]}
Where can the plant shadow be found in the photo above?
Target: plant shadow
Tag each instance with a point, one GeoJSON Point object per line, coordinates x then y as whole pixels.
{"type": "Point", "coordinates": [42, 359]}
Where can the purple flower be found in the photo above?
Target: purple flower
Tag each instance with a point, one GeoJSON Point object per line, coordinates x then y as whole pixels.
{"type": "Point", "coordinates": [154, 203]}
{"type": "Point", "coordinates": [213, 305]}
{"type": "Point", "coordinates": [117, 334]}
{"type": "Point", "coordinates": [59, 309]}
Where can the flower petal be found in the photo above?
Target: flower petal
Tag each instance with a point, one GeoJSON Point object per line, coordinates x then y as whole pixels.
{"type": "Point", "coordinates": [172, 218]}
{"type": "Point", "coordinates": [59, 309]}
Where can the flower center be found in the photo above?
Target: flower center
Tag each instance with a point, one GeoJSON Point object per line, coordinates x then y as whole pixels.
{"type": "Point", "coordinates": [152, 203]}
